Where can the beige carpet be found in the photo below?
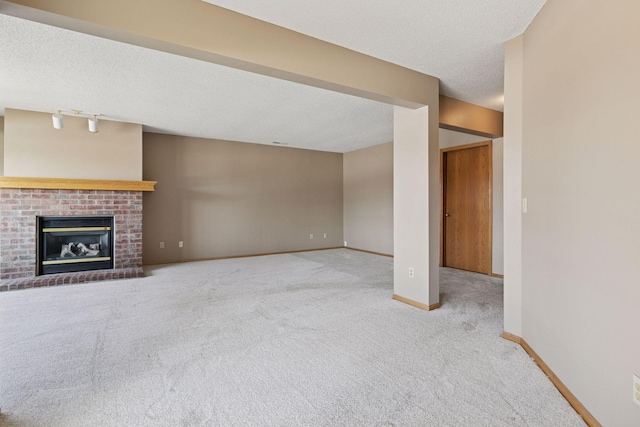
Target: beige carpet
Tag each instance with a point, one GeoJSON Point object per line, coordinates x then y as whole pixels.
{"type": "Point", "coordinates": [310, 339]}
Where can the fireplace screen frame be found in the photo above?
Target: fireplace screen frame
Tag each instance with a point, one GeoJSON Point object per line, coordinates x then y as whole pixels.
{"type": "Point", "coordinates": [85, 230]}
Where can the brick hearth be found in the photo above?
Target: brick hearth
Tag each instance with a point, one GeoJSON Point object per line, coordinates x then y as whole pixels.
{"type": "Point", "coordinates": [18, 210]}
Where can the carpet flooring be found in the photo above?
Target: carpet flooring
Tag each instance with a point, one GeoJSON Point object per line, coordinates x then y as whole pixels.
{"type": "Point", "coordinates": [307, 339]}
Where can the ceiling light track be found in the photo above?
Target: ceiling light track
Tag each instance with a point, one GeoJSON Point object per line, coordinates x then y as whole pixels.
{"type": "Point", "coordinates": [58, 119]}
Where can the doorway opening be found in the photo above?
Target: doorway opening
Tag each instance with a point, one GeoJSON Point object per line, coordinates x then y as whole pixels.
{"type": "Point", "coordinates": [466, 202]}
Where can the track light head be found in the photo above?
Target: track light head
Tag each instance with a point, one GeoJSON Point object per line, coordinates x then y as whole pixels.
{"type": "Point", "coordinates": [58, 122]}
{"type": "Point", "coordinates": [93, 124]}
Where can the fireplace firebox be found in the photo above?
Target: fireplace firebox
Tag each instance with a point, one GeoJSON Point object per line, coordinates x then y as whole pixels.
{"type": "Point", "coordinates": [74, 243]}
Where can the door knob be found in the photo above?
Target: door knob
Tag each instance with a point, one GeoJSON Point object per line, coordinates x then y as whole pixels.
{"type": "Point", "coordinates": [447, 214]}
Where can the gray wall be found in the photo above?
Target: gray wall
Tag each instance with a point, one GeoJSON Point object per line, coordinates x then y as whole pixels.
{"type": "Point", "coordinates": [580, 237]}
{"type": "Point", "coordinates": [226, 198]}
{"type": "Point", "coordinates": [368, 199]}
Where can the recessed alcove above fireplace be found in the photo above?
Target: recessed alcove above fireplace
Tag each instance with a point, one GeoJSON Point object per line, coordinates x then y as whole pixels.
{"type": "Point", "coordinates": [74, 243]}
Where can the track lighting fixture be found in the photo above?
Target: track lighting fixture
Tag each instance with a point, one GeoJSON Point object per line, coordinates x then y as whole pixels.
{"type": "Point", "coordinates": [93, 124]}
{"type": "Point", "coordinates": [58, 122]}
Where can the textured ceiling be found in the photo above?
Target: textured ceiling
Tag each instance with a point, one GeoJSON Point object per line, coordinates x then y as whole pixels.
{"type": "Point", "coordinates": [44, 68]}
{"type": "Point", "coordinates": [458, 41]}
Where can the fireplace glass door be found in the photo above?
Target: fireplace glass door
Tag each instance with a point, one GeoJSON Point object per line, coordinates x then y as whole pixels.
{"type": "Point", "coordinates": [70, 244]}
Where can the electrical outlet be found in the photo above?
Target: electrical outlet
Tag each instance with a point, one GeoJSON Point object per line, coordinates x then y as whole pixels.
{"type": "Point", "coordinates": [161, 245]}
{"type": "Point", "coordinates": [310, 236]}
{"type": "Point", "coordinates": [412, 273]}
{"type": "Point", "coordinates": [180, 244]}
{"type": "Point", "coordinates": [325, 235]}
{"type": "Point", "coordinates": [636, 389]}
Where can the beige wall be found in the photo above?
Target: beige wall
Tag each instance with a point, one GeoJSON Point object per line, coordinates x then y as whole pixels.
{"type": "Point", "coordinates": [228, 198]}
{"type": "Point", "coordinates": [580, 250]}
{"type": "Point", "coordinates": [1, 146]}
{"type": "Point", "coordinates": [33, 148]}
{"type": "Point", "coordinates": [450, 138]}
{"type": "Point", "coordinates": [464, 117]}
{"type": "Point", "coordinates": [368, 195]}
{"type": "Point", "coordinates": [513, 186]}
{"type": "Point", "coordinates": [497, 244]}
{"type": "Point", "coordinates": [368, 198]}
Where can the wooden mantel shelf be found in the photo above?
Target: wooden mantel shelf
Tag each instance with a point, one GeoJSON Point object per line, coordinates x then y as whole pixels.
{"type": "Point", "coordinates": [75, 184]}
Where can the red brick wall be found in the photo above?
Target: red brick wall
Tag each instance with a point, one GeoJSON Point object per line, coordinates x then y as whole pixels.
{"type": "Point", "coordinates": [18, 211]}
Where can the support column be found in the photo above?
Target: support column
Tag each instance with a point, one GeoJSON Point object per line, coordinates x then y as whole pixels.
{"type": "Point", "coordinates": [416, 199]}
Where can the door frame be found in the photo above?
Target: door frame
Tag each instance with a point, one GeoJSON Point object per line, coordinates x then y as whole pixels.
{"type": "Point", "coordinates": [443, 163]}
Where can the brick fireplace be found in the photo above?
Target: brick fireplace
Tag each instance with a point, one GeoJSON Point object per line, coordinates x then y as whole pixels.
{"type": "Point", "coordinates": [19, 208]}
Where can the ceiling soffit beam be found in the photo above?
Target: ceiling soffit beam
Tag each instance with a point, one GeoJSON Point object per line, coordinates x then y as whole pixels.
{"type": "Point", "coordinates": [470, 118]}
{"type": "Point", "coordinates": [199, 30]}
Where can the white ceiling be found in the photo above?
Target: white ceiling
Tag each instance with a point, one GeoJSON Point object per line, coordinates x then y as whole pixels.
{"type": "Point", "coordinates": [44, 68]}
{"type": "Point", "coordinates": [459, 41]}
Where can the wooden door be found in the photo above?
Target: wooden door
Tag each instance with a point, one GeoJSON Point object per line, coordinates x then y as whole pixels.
{"type": "Point", "coordinates": [467, 216]}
